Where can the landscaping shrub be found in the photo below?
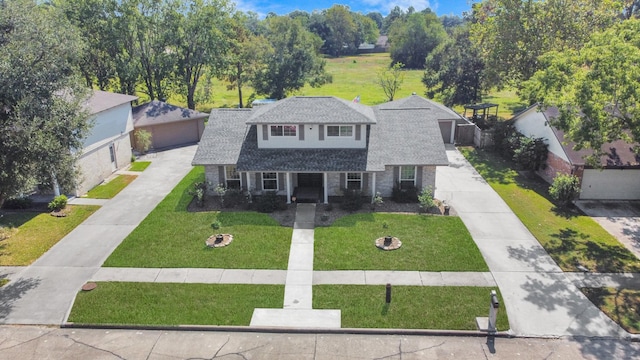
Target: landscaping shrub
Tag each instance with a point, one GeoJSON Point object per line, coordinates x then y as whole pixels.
{"type": "Point", "coordinates": [565, 188]}
{"type": "Point", "coordinates": [17, 203]}
{"type": "Point", "coordinates": [352, 200]}
{"type": "Point", "coordinates": [426, 199]}
{"type": "Point", "coordinates": [143, 140]}
{"type": "Point", "coordinates": [58, 203]}
{"type": "Point", "coordinates": [269, 202]}
{"type": "Point", "coordinates": [198, 191]}
{"type": "Point", "coordinates": [530, 153]}
{"type": "Point", "coordinates": [233, 198]}
{"type": "Point", "coordinates": [405, 195]}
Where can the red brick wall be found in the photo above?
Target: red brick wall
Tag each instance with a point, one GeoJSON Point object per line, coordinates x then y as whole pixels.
{"type": "Point", "coordinates": [555, 165]}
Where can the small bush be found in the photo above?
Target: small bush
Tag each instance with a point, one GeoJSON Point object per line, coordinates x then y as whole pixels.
{"type": "Point", "coordinates": [58, 203]}
{"type": "Point", "coordinates": [143, 140]}
{"type": "Point", "coordinates": [426, 199]}
{"type": "Point", "coordinates": [233, 198]}
{"type": "Point", "coordinates": [531, 153]}
{"type": "Point", "coordinates": [328, 207]}
{"type": "Point", "coordinates": [377, 200]}
{"type": "Point", "coordinates": [216, 225]}
{"type": "Point", "coordinates": [405, 195]}
{"type": "Point", "coordinates": [565, 188]}
{"type": "Point", "coordinates": [269, 202]}
{"type": "Point", "coordinates": [352, 200]}
{"type": "Point", "coordinates": [18, 203]}
{"type": "Point", "coordinates": [198, 192]}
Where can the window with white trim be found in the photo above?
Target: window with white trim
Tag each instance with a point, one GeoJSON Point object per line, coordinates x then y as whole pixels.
{"type": "Point", "coordinates": [232, 177]}
{"type": "Point", "coordinates": [283, 130]}
{"type": "Point", "coordinates": [354, 181]}
{"type": "Point", "coordinates": [407, 177]}
{"type": "Point", "coordinates": [269, 181]}
{"type": "Point", "coordinates": [340, 131]}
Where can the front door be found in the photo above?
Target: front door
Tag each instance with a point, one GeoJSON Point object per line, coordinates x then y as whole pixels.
{"type": "Point", "coordinates": [310, 180]}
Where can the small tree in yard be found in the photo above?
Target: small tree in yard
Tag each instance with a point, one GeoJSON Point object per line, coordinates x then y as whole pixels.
{"type": "Point", "coordinates": [565, 188]}
{"type": "Point", "coordinates": [426, 199]}
{"type": "Point", "coordinates": [531, 153]}
{"type": "Point", "coordinates": [390, 80]}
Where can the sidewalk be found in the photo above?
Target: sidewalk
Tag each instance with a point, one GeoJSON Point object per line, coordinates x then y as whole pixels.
{"type": "Point", "coordinates": [43, 292]}
{"type": "Point", "coordinates": [539, 298]}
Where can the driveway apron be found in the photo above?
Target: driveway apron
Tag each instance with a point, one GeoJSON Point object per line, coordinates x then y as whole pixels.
{"type": "Point", "coordinates": [539, 299]}
{"type": "Point", "coordinates": [43, 292]}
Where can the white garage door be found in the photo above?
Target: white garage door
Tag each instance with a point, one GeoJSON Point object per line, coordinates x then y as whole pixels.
{"type": "Point", "coordinates": [611, 184]}
{"type": "Point", "coordinates": [175, 134]}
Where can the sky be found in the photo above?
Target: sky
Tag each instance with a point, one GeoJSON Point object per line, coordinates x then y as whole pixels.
{"type": "Point", "coordinates": [282, 7]}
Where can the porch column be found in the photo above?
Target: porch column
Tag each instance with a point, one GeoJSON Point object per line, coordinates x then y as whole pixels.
{"type": "Point", "coordinates": [248, 182]}
{"type": "Point", "coordinates": [288, 176]}
{"type": "Point", "coordinates": [373, 186]}
{"type": "Point", "coordinates": [326, 188]}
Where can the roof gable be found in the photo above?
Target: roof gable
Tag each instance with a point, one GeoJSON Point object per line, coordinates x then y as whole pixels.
{"type": "Point", "coordinates": [104, 100]}
{"type": "Point", "coordinates": [313, 110]}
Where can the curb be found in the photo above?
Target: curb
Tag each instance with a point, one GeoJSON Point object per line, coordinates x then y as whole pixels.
{"type": "Point", "coordinates": [267, 329]}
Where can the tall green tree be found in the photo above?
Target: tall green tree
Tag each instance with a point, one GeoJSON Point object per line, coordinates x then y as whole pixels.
{"type": "Point", "coordinates": [41, 95]}
{"type": "Point", "coordinates": [292, 61]}
{"type": "Point", "coordinates": [512, 34]}
{"type": "Point", "coordinates": [455, 70]}
{"type": "Point", "coordinates": [597, 88]}
{"type": "Point", "coordinates": [343, 30]}
{"type": "Point", "coordinates": [199, 38]}
{"type": "Point", "coordinates": [414, 38]}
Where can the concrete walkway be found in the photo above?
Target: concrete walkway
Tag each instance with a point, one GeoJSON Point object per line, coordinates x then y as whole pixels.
{"type": "Point", "coordinates": [43, 292]}
{"type": "Point", "coordinates": [540, 299]}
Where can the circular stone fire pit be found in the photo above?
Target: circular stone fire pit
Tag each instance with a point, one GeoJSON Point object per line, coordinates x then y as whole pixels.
{"type": "Point", "coordinates": [219, 240]}
{"type": "Point", "coordinates": [388, 243]}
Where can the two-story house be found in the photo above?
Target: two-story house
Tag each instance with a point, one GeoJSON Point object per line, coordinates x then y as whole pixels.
{"type": "Point", "coordinates": [312, 148]}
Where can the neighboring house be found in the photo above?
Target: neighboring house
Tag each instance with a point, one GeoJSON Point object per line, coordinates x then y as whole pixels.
{"type": "Point", "coordinates": [107, 147]}
{"type": "Point", "coordinates": [314, 147]}
{"type": "Point", "coordinates": [381, 45]}
{"type": "Point", "coordinates": [619, 177]}
{"type": "Point", "coordinates": [169, 125]}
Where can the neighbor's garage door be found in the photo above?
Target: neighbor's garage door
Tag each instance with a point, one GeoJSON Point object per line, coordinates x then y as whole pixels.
{"type": "Point", "coordinates": [611, 184]}
{"type": "Point", "coordinates": [175, 134]}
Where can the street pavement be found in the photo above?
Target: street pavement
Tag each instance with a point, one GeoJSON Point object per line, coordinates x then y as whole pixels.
{"type": "Point", "coordinates": [32, 342]}
{"type": "Point", "coordinates": [44, 292]}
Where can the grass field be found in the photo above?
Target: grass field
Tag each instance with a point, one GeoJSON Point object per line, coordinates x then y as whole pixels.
{"type": "Point", "coordinates": [112, 188]}
{"type": "Point", "coordinates": [32, 233]}
{"type": "Point", "coordinates": [352, 76]}
{"type": "Point", "coordinates": [173, 304]}
{"type": "Point", "coordinates": [170, 236]}
{"type": "Point", "coordinates": [429, 243]}
{"type": "Point", "coordinates": [411, 307]}
{"type": "Point", "coordinates": [570, 237]}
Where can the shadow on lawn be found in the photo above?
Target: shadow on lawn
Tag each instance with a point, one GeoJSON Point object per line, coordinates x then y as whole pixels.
{"type": "Point", "coordinates": [595, 256]}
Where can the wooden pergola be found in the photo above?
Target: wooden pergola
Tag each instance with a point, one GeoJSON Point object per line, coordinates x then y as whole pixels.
{"type": "Point", "coordinates": [480, 112]}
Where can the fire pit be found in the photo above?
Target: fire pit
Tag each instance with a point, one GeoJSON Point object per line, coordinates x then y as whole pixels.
{"type": "Point", "coordinates": [388, 243]}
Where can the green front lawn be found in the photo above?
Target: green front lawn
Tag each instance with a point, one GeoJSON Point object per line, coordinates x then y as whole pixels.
{"type": "Point", "coordinates": [173, 304]}
{"type": "Point", "coordinates": [33, 233]}
{"type": "Point", "coordinates": [429, 243]}
{"type": "Point", "coordinates": [411, 307]}
{"type": "Point", "coordinates": [570, 237]}
{"type": "Point", "coordinates": [139, 165]}
{"type": "Point", "coordinates": [171, 236]}
{"type": "Point", "coordinates": [112, 188]}
{"type": "Point", "coordinates": [621, 305]}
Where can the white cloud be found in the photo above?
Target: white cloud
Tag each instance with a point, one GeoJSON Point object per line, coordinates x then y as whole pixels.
{"type": "Point", "coordinates": [384, 6]}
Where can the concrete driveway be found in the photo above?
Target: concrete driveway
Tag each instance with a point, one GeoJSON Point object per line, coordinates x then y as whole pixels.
{"type": "Point", "coordinates": [620, 218]}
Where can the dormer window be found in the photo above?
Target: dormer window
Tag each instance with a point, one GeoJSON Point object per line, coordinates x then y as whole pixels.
{"type": "Point", "coordinates": [341, 131]}
{"type": "Point", "coordinates": [283, 130]}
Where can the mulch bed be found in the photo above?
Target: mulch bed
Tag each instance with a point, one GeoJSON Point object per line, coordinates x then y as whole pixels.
{"type": "Point", "coordinates": [325, 214]}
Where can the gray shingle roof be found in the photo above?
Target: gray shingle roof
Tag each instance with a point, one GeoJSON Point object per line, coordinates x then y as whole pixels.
{"type": "Point", "coordinates": [313, 110]}
{"type": "Point", "coordinates": [438, 110]}
{"type": "Point", "coordinates": [104, 100]}
{"type": "Point", "coordinates": [399, 137]}
{"type": "Point", "coordinates": [158, 112]}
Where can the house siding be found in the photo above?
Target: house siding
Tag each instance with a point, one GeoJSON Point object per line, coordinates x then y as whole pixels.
{"type": "Point", "coordinates": [95, 165]}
